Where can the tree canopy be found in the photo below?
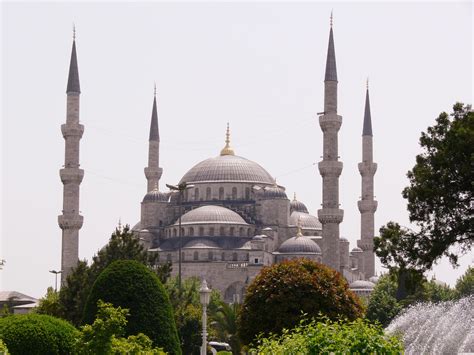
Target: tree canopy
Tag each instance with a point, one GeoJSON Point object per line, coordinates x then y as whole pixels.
{"type": "Point", "coordinates": [440, 195]}
{"type": "Point", "coordinates": [282, 293]}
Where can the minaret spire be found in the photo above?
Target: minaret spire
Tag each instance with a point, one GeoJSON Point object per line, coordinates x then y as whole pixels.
{"type": "Point", "coordinates": [227, 150]}
{"type": "Point", "coordinates": [153, 171]}
{"type": "Point", "coordinates": [367, 205]}
{"type": "Point", "coordinates": [71, 175]}
{"type": "Point", "coordinates": [330, 168]}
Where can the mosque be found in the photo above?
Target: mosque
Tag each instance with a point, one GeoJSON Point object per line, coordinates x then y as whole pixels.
{"type": "Point", "coordinates": [227, 218]}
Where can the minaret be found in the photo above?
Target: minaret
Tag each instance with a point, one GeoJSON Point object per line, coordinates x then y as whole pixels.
{"type": "Point", "coordinates": [330, 168]}
{"type": "Point", "coordinates": [367, 204]}
{"type": "Point", "coordinates": [71, 176]}
{"type": "Point", "coordinates": [153, 171]}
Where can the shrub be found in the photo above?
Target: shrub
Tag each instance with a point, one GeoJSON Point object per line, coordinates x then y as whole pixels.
{"type": "Point", "coordinates": [3, 348]}
{"type": "Point", "coordinates": [129, 284]}
{"type": "Point", "coordinates": [37, 334]}
{"type": "Point", "coordinates": [281, 293]}
{"type": "Point", "coordinates": [328, 337]}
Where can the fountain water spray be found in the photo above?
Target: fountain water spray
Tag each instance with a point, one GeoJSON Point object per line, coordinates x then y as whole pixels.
{"type": "Point", "coordinates": [437, 328]}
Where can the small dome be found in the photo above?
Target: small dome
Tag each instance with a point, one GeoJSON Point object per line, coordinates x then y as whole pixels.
{"type": "Point", "coordinates": [306, 220]}
{"type": "Point", "coordinates": [200, 244]}
{"type": "Point", "coordinates": [374, 279]}
{"type": "Point", "coordinates": [156, 196]}
{"type": "Point", "coordinates": [361, 285]}
{"type": "Point", "coordinates": [297, 206]}
{"type": "Point", "coordinates": [211, 215]}
{"type": "Point", "coordinates": [342, 239]}
{"type": "Point", "coordinates": [274, 192]}
{"type": "Point", "coordinates": [297, 245]}
{"type": "Point", "coordinates": [356, 250]}
{"type": "Point", "coordinates": [260, 237]}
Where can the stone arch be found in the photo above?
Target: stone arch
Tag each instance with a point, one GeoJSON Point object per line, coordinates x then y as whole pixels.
{"type": "Point", "coordinates": [234, 193]}
{"type": "Point", "coordinates": [208, 193]}
{"type": "Point", "coordinates": [234, 293]}
{"type": "Point", "coordinates": [221, 193]}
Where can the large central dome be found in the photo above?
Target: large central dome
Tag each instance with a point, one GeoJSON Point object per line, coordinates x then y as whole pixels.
{"type": "Point", "coordinates": [227, 168]}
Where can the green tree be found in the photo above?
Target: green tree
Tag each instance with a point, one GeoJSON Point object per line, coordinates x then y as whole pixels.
{"type": "Point", "coordinates": [105, 335]}
{"type": "Point", "coordinates": [283, 292]}
{"type": "Point", "coordinates": [224, 322]}
{"type": "Point", "coordinates": [436, 291]}
{"type": "Point", "coordinates": [130, 284]}
{"type": "Point", "coordinates": [465, 284]}
{"type": "Point", "coordinates": [330, 337]}
{"type": "Point", "coordinates": [49, 304]}
{"type": "Point", "coordinates": [123, 245]}
{"type": "Point", "coordinates": [440, 194]}
{"type": "Point", "coordinates": [383, 305]}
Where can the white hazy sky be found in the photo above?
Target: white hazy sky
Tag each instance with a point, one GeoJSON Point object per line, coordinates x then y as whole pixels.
{"type": "Point", "coordinates": [259, 66]}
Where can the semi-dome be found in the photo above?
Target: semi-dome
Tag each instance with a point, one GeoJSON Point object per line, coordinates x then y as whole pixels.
{"type": "Point", "coordinates": [297, 206]}
{"type": "Point", "coordinates": [227, 168]}
{"type": "Point", "coordinates": [299, 244]}
{"type": "Point", "coordinates": [156, 196]}
{"type": "Point", "coordinates": [305, 220]}
{"type": "Point", "coordinates": [274, 193]}
{"type": "Point", "coordinates": [361, 285]}
{"type": "Point", "coordinates": [211, 215]}
{"type": "Point", "coordinates": [200, 243]}
{"type": "Point", "coordinates": [356, 250]}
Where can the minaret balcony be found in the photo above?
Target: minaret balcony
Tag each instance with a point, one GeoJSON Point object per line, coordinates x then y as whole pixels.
{"type": "Point", "coordinates": [367, 206]}
{"type": "Point", "coordinates": [330, 215]}
{"type": "Point", "coordinates": [153, 173]}
{"type": "Point", "coordinates": [330, 122]}
{"type": "Point", "coordinates": [330, 168]}
{"type": "Point", "coordinates": [71, 175]}
{"type": "Point", "coordinates": [367, 168]}
{"type": "Point", "coordinates": [70, 221]}
{"type": "Point", "coordinates": [366, 244]}
{"type": "Point", "coordinates": [72, 130]}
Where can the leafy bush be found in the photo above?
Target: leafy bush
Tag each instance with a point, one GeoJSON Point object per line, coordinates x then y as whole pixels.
{"type": "Point", "coordinates": [3, 348]}
{"type": "Point", "coordinates": [37, 334]}
{"type": "Point", "coordinates": [328, 337]}
{"type": "Point", "coordinates": [465, 284]}
{"type": "Point", "coordinates": [383, 305]}
{"type": "Point", "coordinates": [281, 293]}
{"type": "Point", "coordinates": [129, 284]}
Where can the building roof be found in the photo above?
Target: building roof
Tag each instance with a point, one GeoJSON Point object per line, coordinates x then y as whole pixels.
{"type": "Point", "coordinates": [298, 245]}
{"type": "Point", "coordinates": [274, 193]}
{"type": "Point", "coordinates": [73, 78]}
{"type": "Point", "coordinates": [15, 297]}
{"type": "Point", "coordinates": [156, 196]}
{"type": "Point", "coordinates": [211, 215]}
{"type": "Point", "coordinates": [306, 220]}
{"type": "Point", "coordinates": [367, 129]}
{"type": "Point", "coordinates": [361, 285]}
{"type": "Point", "coordinates": [154, 132]}
{"type": "Point", "coordinates": [227, 168]}
{"type": "Point", "coordinates": [331, 71]}
{"type": "Point", "coordinates": [200, 243]}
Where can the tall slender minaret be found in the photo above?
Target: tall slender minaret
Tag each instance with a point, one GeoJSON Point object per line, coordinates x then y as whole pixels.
{"type": "Point", "coordinates": [330, 168]}
{"type": "Point", "coordinates": [367, 204]}
{"type": "Point", "coordinates": [153, 171]}
{"type": "Point", "coordinates": [71, 176]}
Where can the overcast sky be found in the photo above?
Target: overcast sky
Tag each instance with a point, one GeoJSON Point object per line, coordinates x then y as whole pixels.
{"type": "Point", "coordinates": [258, 66]}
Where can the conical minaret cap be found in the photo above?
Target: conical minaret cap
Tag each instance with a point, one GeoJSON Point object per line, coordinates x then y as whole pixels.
{"type": "Point", "coordinates": [73, 78]}
{"type": "Point", "coordinates": [367, 129]}
{"type": "Point", "coordinates": [154, 132]}
{"type": "Point", "coordinates": [331, 71]}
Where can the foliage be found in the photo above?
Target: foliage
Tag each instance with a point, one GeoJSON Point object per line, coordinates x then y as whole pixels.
{"type": "Point", "coordinates": [439, 197]}
{"type": "Point", "coordinates": [3, 348]}
{"type": "Point", "coordinates": [37, 334]}
{"type": "Point", "coordinates": [188, 311]}
{"type": "Point", "coordinates": [104, 336]}
{"type": "Point", "coordinates": [280, 294]}
{"type": "Point", "coordinates": [383, 305]}
{"type": "Point", "coordinates": [224, 321]}
{"type": "Point", "coordinates": [130, 284]}
{"type": "Point", "coordinates": [330, 337]}
{"type": "Point", "coordinates": [435, 291]}
{"type": "Point", "coordinates": [465, 284]}
{"type": "Point", "coordinates": [123, 245]}
{"type": "Point", "coordinates": [49, 304]}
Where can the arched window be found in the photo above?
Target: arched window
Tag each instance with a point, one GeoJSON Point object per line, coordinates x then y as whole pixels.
{"type": "Point", "coordinates": [231, 232]}
{"type": "Point", "coordinates": [211, 231]}
{"type": "Point", "coordinates": [234, 257]}
{"type": "Point", "coordinates": [210, 255]}
{"type": "Point", "coordinates": [249, 232]}
{"type": "Point", "coordinates": [241, 231]}
{"type": "Point", "coordinates": [191, 232]}
{"type": "Point", "coordinates": [196, 194]}
{"type": "Point", "coordinates": [221, 193]}
{"type": "Point", "coordinates": [208, 193]}
{"type": "Point", "coordinates": [196, 256]}
{"type": "Point", "coordinates": [182, 231]}
{"type": "Point", "coordinates": [175, 232]}
{"type": "Point", "coordinates": [201, 231]}
{"type": "Point", "coordinates": [234, 193]}
{"type": "Point", "coordinates": [223, 256]}
{"type": "Point", "coordinates": [222, 231]}
{"type": "Point", "coordinates": [247, 193]}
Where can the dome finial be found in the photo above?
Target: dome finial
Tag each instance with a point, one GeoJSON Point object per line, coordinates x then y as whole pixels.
{"type": "Point", "coordinates": [298, 230]}
{"type": "Point", "coordinates": [294, 196]}
{"type": "Point", "coordinates": [331, 19]}
{"type": "Point", "coordinates": [73, 31]}
{"type": "Point", "coordinates": [227, 150]}
{"type": "Point", "coordinates": [367, 83]}
{"type": "Point", "coordinates": [154, 91]}
{"type": "Point", "coordinates": [155, 188]}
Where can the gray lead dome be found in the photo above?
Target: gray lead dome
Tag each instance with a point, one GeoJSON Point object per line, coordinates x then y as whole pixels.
{"type": "Point", "coordinates": [300, 244]}
{"type": "Point", "coordinates": [211, 214]}
{"type": "Point", "coordinates": [227, 168]}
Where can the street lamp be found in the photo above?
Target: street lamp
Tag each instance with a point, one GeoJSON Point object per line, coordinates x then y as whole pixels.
{"type": "Point", "coordinates": [180, 188]}
{"type": "Point", "coordinates": [204, 295]}
{"type": "Point", "coordinates": [55, 278]}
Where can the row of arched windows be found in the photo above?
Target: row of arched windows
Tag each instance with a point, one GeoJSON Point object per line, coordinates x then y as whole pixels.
{"type": "Point", "coordinates": [211, 256]}
{"type": "Point", "coordinates": [210, 231]}
{"type": "Point", "coordinates": [221, 194]}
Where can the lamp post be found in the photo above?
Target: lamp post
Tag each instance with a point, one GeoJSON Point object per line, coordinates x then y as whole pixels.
{"type": "Point", "coordinates": [55, 278]}
{"type": "Point", "coordinates": [180, 188]}
{"type": "Point", "coordinates": [204, 293]}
